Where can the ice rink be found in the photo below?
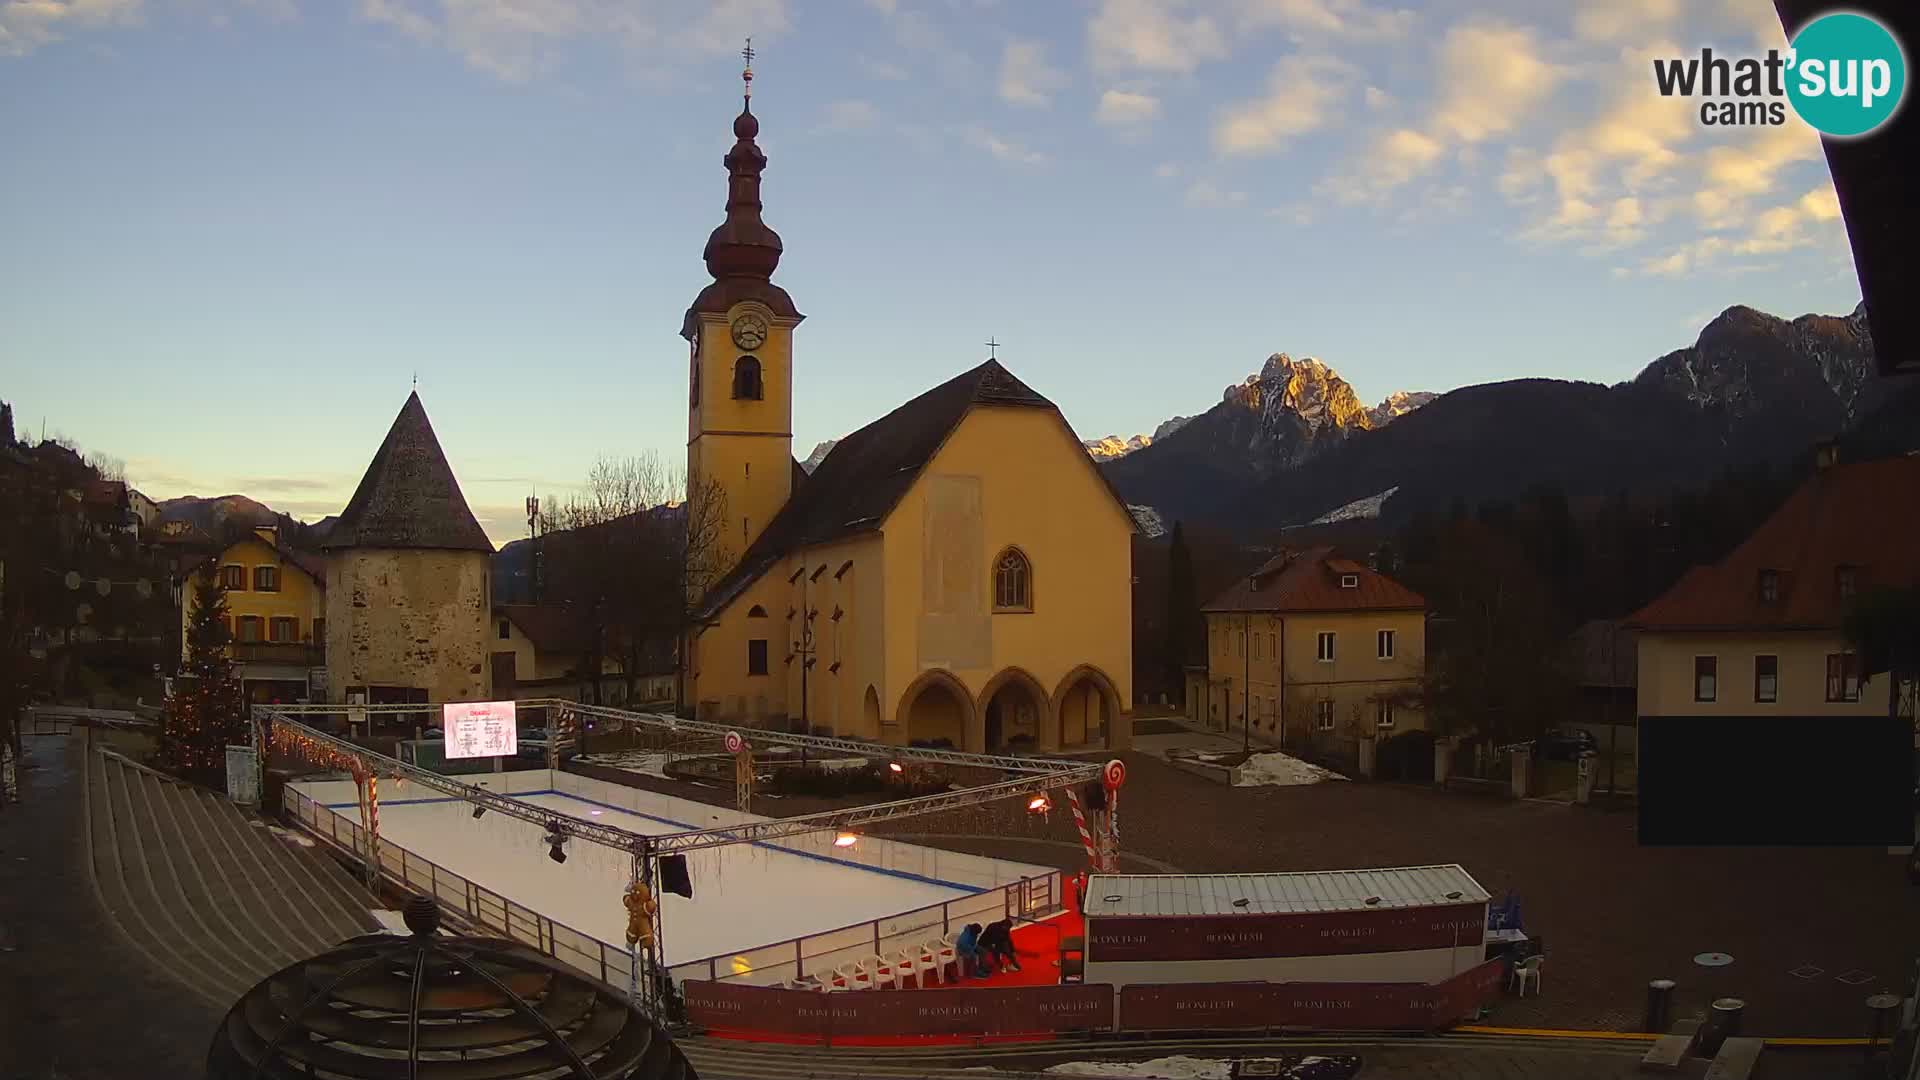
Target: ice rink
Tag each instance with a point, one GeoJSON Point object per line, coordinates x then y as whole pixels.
{"type": "Point", "coordinates": [744, 895]}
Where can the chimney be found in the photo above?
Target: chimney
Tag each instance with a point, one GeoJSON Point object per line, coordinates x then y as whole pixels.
{"type": "Point", "coordinates": [1826, 455]}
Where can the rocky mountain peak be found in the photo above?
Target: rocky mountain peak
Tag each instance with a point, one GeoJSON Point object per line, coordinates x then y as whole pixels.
{"type": "Point", "coordinates": [1746, 362]}
{"type": "Point", "coordinates": [1306, 388]}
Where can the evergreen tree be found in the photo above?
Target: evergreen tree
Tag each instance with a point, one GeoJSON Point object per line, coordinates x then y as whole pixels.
{"type": "Point", "coordinates": [6, 424]}
{"type": "Point", "coordinates": [1183, 625]}
{"type": "Point", "coordinates": [207, 712]}
{"type": "Point", "coordinates": [1883, 626]}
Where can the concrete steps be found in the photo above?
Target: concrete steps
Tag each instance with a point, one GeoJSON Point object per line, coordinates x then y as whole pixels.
{"type": "Point", "coordinates": [204, 891]}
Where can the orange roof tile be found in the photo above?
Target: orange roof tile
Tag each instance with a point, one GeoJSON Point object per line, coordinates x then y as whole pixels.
{"type": "Point", "coordinates": [1864, 516]}
{"type": "Point", "coordinates": [1310, 581]}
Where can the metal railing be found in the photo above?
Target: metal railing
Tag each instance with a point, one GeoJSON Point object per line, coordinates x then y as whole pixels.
{"type": "Point", "coordinates": [464, 899]}
{"type": "Point", "coordinates": [467, 901]}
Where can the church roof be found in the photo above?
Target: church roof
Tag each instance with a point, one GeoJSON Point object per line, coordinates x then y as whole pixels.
{"type": "Point", "coordinates": [855, 487]}
{"type": "Point", "coordinates": [409, 498]}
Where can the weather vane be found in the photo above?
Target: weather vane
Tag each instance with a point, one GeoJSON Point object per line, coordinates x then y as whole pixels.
{"type": "Point", "coordinates": [746, 76]}
{"type": "Point", "coordinates": [993, 349]}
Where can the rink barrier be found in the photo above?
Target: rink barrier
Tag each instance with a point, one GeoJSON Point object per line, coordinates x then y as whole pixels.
{"type": "Point", "coordinates": [468, 902]}
{"type": "Point", "coordinates": [1091, 1008]}
{"type": "Point", "coordinates": [1026, 897]}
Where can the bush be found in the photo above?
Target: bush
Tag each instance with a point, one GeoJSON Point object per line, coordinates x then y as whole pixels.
{"type": "Point", "coordinates": [1407, 757]}
{"type": "Point", "coordinates": [870, 779]}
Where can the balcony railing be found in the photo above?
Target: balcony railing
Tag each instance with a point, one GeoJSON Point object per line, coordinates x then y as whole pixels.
{"type": "Point", "coordinates": [291, 653]}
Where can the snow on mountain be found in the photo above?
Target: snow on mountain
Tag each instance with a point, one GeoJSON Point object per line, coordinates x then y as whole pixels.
{"type": "Point", "coordinates": [1113, 446]}
{"type": "Point", "coordinates": [1748, 364]}
{"type": "Point", "coordinates": [1398, 404]}
{"type": "Point", "coordinates": [819, 454]}
{"type": "Point", "coordinates": [1152, 525]}
{"type": "Point", "coordinates": [1368, 507]}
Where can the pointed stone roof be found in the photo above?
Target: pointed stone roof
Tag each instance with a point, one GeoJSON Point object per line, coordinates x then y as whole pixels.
{"type": "Point", "coordinates": [409, 498]}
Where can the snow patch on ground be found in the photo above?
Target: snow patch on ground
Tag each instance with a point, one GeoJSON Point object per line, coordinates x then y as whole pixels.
{"type": "Point", "coordinates": [1280, 770]}
{"type": "Point", "coordinates": [1358, 509]}
{"type": "Point", "coordinates": [633, 761]}
{"type": "Point", "coordinates": [390, 921]}
{"type": "Point", "coordinates": [290, 835]}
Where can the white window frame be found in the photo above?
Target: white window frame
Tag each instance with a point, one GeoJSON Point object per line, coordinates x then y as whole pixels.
{"type": "Point", "coordinates": [1383, 714]}
{"type": "Point", "coordinates": [1326, 646]}
{"type": "Point", "coordinates": [1349, 581]}
{"type": "Point", "coordinates": [1775, 699]}
{"type": "Point", "coordinates": [1323, 715]}
{"type": "Point", "coordinates": [1383, 643]}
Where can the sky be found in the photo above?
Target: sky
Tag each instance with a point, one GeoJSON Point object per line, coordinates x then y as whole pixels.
{"type": "Point", "coordinates": [233, 233]}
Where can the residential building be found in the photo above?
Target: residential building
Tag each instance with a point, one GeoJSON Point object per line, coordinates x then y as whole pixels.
{"type": "Point", "coordinates": [1315, 649]}
{"type": "Point", "coordinates": [1760, 632]}
{"type": "Point", "coordinates": [276, 615]}
{"type": "Point", "coordinates": [542, 650]}
{"type": "Point", "coordinates": [145, 510]}
{"type": "Point", "coordinates": [957, 571]}
{"type": "Point", "coordinates": [408, 591]}
{"type": "Point", "coordinates": [1602, 657]}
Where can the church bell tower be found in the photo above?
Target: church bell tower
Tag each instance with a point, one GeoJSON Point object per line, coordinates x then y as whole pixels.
{"type": "Point", "coordinates": [740, 371]}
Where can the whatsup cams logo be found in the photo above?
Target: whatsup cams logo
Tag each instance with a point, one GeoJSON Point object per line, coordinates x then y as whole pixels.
{"type": "Point", "coordinates": [1843, 73]}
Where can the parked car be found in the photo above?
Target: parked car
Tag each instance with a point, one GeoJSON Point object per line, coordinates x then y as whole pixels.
{"type": "Point", "coordinates": [1565, 744]}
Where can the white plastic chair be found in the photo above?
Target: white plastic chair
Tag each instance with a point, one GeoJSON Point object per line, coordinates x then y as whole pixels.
{"type": "Point", "coordinates": [1528, 971]}
{"type": "Point", "coordinates": [905, 961]}
{"type": "Point", "coordinates": [851, 975]}
{"type": "Point", "coordinates": [880, 972]}
{"type": "Point", "coordinates": [942, 952]}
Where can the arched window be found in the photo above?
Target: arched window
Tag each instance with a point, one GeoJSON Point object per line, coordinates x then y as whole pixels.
{"type": "Point", "coordinates": [756, 612]}
{"type": "Point", "coordinates": [746, 378]}
{"type": "Point", "coordinates": [1012, 582]}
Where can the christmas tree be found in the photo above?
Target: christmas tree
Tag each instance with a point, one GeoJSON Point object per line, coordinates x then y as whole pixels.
{"type": "Point", "coordinates": [207, 712]}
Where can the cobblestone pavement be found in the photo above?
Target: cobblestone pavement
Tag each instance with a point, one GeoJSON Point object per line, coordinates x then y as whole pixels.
{"type": "Point", "coordinates": [1613, 915]}
{"type": "Point", "coordinates": [76, 1001]}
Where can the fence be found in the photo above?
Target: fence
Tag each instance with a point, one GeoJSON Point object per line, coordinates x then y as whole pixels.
{"type": "Point", "coordinates": [1008, 889]}
{"type": "Point", "coordinates": [468, 902]}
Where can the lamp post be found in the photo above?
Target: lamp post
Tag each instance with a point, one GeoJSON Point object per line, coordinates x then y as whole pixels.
{"type": "Point", "coordinates": [803, 650]}
{"type": "Point", "coordinates": [1246, 683]}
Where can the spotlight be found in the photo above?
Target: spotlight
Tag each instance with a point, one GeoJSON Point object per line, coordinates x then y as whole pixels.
{"type": "Point", "coordinates": [895, 767]}
{"type": "Point", "coordinates": [1039, 804]}
{"type": "Point", "coordinates": [845, 839]}
{"type": "Point", "coordinates": [556, 852]}
{"type": "Point", "coordinates": [478, 810]}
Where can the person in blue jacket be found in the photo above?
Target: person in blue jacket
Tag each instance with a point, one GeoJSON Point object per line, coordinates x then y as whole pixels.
{"type": "Point", "coordinates": [966, 950]}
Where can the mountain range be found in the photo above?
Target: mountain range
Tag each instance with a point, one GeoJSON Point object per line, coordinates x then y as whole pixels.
{"type": "Point", "coordinates": [1293, 445]}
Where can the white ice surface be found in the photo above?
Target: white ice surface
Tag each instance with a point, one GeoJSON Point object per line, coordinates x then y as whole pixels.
{"type": "Point", "coordinates": [1178, 1067]}
{"type": "Point", "coordinates": [744, 895]}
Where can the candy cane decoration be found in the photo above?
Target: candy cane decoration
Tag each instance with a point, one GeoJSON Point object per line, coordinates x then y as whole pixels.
{"type": "Point", "coordinates": [1112, 775]}
{"type": "Point", "coordinates": [1080, 823]}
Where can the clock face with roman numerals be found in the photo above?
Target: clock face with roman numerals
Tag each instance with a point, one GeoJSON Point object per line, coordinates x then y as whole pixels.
{"type": "Point", "coordinates": [749, 331]}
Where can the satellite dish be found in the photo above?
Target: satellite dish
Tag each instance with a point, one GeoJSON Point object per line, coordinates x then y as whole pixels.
{"type": "Point", "coordinates": [103, 586]}
{"type": "Point", "coordinates": [143, 587]}
{"type": "Point", "coordinates": [73, 579]}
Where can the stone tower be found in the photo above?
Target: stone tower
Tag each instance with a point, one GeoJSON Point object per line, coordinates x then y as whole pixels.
{"type": "Point", "coordinates": [408, 587]}
{"type": "Point", "coordinates": [740, 373]}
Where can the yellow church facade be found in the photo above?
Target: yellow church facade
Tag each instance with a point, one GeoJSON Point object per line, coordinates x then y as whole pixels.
{"type": "Point", "coordinates": [957, 572]}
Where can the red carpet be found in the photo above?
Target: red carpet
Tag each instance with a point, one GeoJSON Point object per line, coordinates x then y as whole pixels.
{"type": "Point", "coordinates": [1037, 947]}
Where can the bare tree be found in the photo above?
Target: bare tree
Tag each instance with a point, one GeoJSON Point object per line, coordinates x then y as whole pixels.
{"type": "Point", "coordinates": [631, 553]}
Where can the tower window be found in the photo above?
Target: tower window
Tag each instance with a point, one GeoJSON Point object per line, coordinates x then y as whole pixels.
{"type": "Point", "coordinates": [757, 656]}
{"type": "Point", "coordinates": [746, 378]}
{"type": "Point", "coordinates": [1012, 582]}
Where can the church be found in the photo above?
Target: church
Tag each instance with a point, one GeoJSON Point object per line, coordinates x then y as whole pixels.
{"type": "Point", "coordinates": [956, 573]}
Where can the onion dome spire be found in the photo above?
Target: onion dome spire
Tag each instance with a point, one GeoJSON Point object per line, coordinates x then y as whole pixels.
{"type": "Point", "coordinates": [743, 246]}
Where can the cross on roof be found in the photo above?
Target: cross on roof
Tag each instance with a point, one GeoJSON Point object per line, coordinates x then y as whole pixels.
{"type": "Point", "coordinates": [993, 349]}
{"type": "Point", "coordinates": [746, 76]}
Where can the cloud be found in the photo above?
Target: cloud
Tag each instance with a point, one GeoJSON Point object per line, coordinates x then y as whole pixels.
{"type": "Point", "coordinates": [1626, 20]}
{"type": "Point", "coordinates": [1302, 91]}
{"type": "Point", "coordinates": [518, 40]}
{"type": "Point", "coordinates": [1490, 76]}
{"type": "Point", "coordinates": [1025, 77]}
{"type": "Point", "coordinates": [883, 69]}
{"type": "Point", "coordinates": [1389, 160]}
{"type": "Point", "coordinates": [1152, 35]}
{"type": "Point", "coordinates": [849, 116]}
{"type": "Point", "coordinates": [1167, 170]}
{"type": "Point", "coordinates": [1003, 149]}
{"type": "Point", "coordinates": [1343, 18]}
{"type": "Point", "coordinates": [1207, 195]}
{"type": "Point", "coordinates": [26, 25]}
{"type": "Point", "coordinates": [1376, 98]}
{"type": "Point", "coordinates": [1783, 228]}
{"type": "Point", "coordinates": [1126, 111]}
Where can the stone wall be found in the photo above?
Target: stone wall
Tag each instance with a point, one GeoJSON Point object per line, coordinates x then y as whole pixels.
{"type": "Point", "coordinates": [416, 618]}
